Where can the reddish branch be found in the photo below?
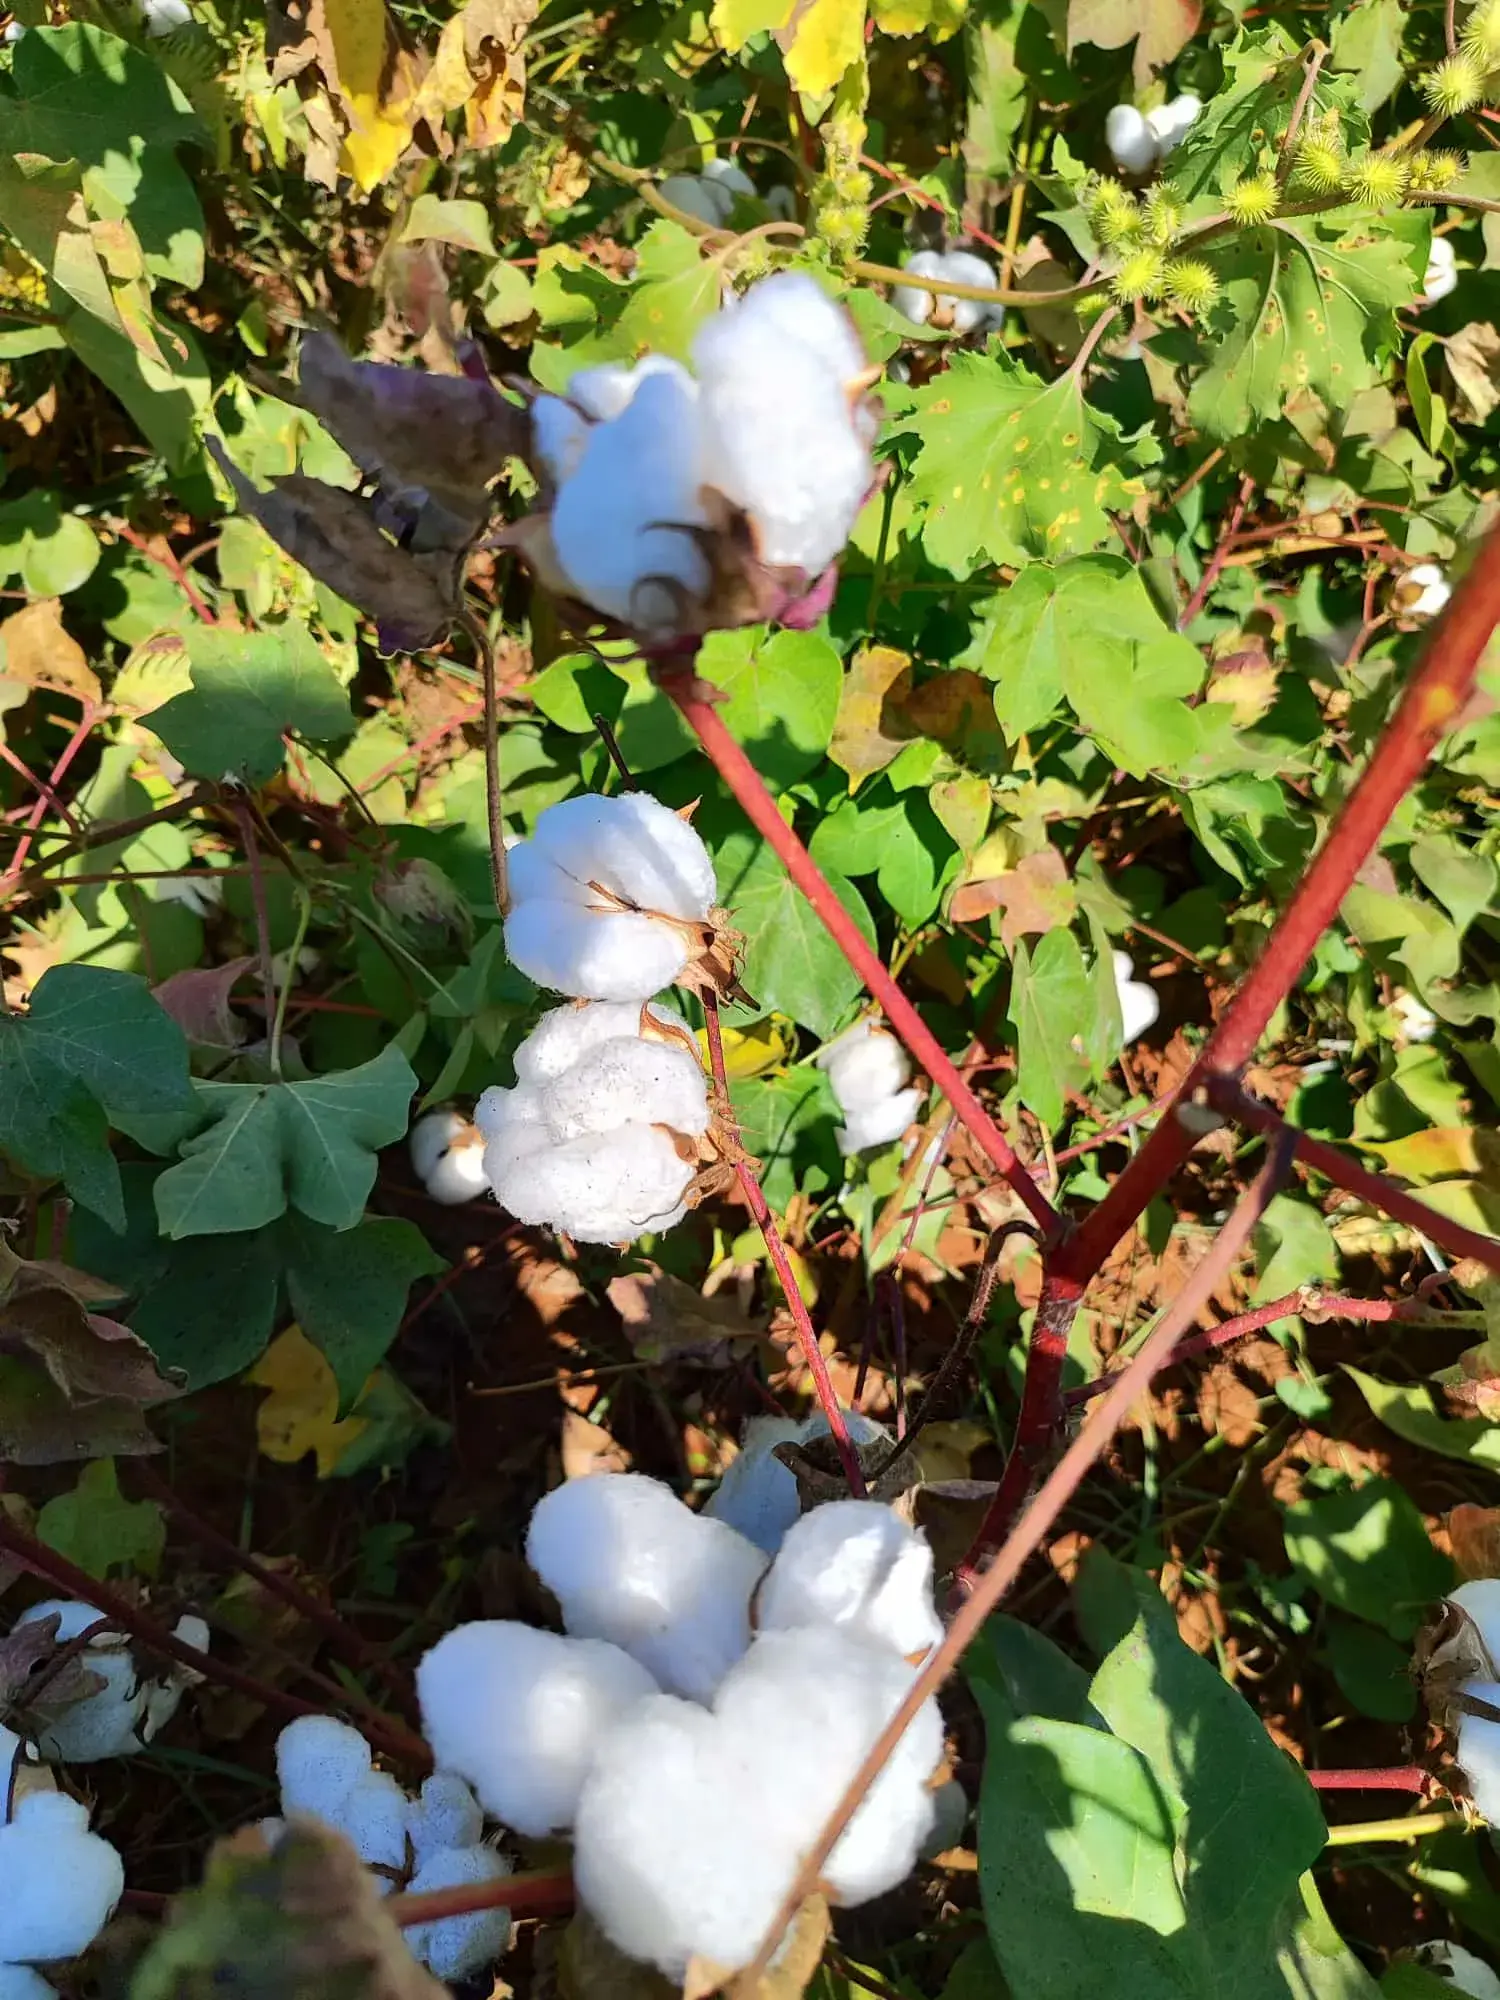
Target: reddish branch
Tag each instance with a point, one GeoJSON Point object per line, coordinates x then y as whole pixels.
{"type": "Point", "coordinates": [1390, 1778]}
{"type": "Point", "coordinates": [755, 1201]}
{"type": "Point", "coordinates": [523, 1895]}
{"type": "Point", "coordinates": [750, 793]}
{"type": "Point", "coordinates": [80, 736]}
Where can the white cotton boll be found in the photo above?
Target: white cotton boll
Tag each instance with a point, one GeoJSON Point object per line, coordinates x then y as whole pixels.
{"type": "Point", "coordinates": [963, 267]}
{"type": "Point", "coordinates": [319, 1761]}
{"type": "Point", "coordinates": [61, 1881]}
{"type": "Point", "coordinates": [1417, 1022]}
{"type": "Point", "coordinates": [1479, 1751]}
{"type": "Point", "coordinates": [1464, 1970]}
{"type": "Point", "coordinates": [1442, 272]}
{"type": "Point", "coordinates": [633, 846]}
{"type": "Point", "coordinates": [1432, 589]}
{"type": "Point", "coordinates": [624, 1080]}
{"type": "Point", "coordinates": [702, 199]}
{"type": "Point", "coordinates": [447, 1156]}
{"type": "Point", "coordinates": [628, 1562]}
{"type": "Point", "coordinates": [444, 1814]}
{"type": "Point", "coordinates": [912, 300]}
{"type": "Point", "coordinates": [619, 524]}
{"type": "Point", "coordinates": [879, 1124]}
{"type": "Point", "coordinates": [725, 174]}
{"type": "Point", "coordinates": [1131, 142]}
{"type": "Point", "coordinates": [372, 1818]}
{"type": "Point", "coordinates": [614, 956]}
{"type": "Point", "coordinates": [565, 1035]}
{"type": "Point", "coordinates": [521, 1712]}
{"type": "Point", "coordinates": [1480, 1599]}
{"type": "Point", "coordinates": [162, 17]}
{"type": "Point", "coordinates": [1139, 1001]}
{"type": "Point", "coordinates": [602, 393]}
{"type": "Point", "coordinates": [607, 1188]}
{"type": "Point", "coordinates": [757, 1496]}
{"type": "Point", "coordinates": [459, 1175]}
{"type": "Point", "coordinates": [865, 1064]}
{"type": "Point", "coordinates": [1169, 123]}
{"type": "Point", "coordinates": [855, 1565]}
{"type": "Point", "coordinates": [19, 1982]}
{"type": "Point", "coordinates": [560, 434]}
{"type": "Point", "coordinates": [792, 310]}
{"type": "Point", "coordinates": [457, 1947]}
{"type": "Point", "coordinates": [107, 1722]}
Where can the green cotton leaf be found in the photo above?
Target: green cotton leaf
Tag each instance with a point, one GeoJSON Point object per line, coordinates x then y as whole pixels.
{"type": "Point", "coordinates": [786, 1122]}
{"type": "Point", "coordinates": [1022, 1667]}
{"type": "Point", "coordinates": [1087, 631]}
{"type": "Point", "coordinates": [166, 401]}
{"type": "Point", "coordinates": [348, 1289]}
{"type": "Point", "coordinates": [93, 1049]}
{"type": "Point", "coordinates": [464, 224]}
{"type": "Point", "coordinates": [1407, 1409]}
{"type": "Point", "coordinates": [792, 965]}
{"type": "Point", "coordinates": [1010, 467]}
{"type": "Point", "coordinates": [1367, 1552]}
{"type": "Point", "coordinates": [1052, 1011]}
{"type": "Point", "coordinates": [1367, 45]}
{"type": "Point", "coordinates": [78, 93]}
{"type": "Point", "coordinates": [1293, 1247]}
{"type": "Point", "coordinates": [917, 861]}
{"type": "Point", "coordinates": [1371, 1668]}
{"type": "Point", "coordinates": [782, 694]}
{"type": "Point", "coordinates": [248, 690]}
{"type": "Point", "coordinates": [676, 289]}
{"type": "Point", "coordinates": [1416, 933]}
{"type": "Point", "coordinates": [52, 552]}
{"type": "Point", "coordinates": [96, 1527]}
{"type": "Point", "coordinates": [311, 1145]}
{"type": "Point", "coordinates": [1307, 305]}
{"type": "Point", "coordinates": [1462, 879]}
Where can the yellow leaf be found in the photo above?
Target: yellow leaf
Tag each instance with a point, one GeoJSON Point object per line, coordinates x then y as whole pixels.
{"type": "Point", "coordinates": [820, 41]}
{"type": "Point", "coordinates": [376, 86]}
{"type": "Point", "coordinates": [301, 1413]}
{"type": "Point", "coordinates": [752, 1051]}
{"type": "Point", "coordinates": [935, 18]}
{"type": "Point", "coordinates": [37, 652]}
{"type": "Point", "coordinates": [735, 21]}
{"type": "Point", "coordinates": [1439, 1154]}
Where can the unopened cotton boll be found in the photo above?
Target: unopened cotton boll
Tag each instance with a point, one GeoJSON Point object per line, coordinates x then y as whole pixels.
{"type": "Point", "coordinates": [628, 1562]}
{"type": "Point", "coordinates": [1479, 1751]}
{"type": "Point", "coordinates": [447, 1156]}
{"type": "Point", "coordinates": [853, 1564]}
{"type": "Point", "coordinates": [698, 197]}
{"type": "Point", "coordinates": [61, 1881]}
{"type": "Point", "coordinates": [520, 1714]}
{"type": "Point", "coordinates": [1464, 1971]}
{"type": "Point", "coordinates": [457, 1947]}
{"type": "Point", "coordinates": [1131, 142]}
{"type": "Point", "coordinates": [1442, 272]}
{"type": "Point", "coordinates": [1139, 1001]}
{"type": "Point", "coordinates": [444, 1814]}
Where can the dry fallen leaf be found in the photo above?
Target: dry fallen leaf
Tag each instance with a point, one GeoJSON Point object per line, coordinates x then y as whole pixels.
{"type": "Point", "coordinates": [588, 1447]}
{"type": "Point", "coordinates": [667, 1320]}
{"type": "Point", "coordinates": [35, 650]}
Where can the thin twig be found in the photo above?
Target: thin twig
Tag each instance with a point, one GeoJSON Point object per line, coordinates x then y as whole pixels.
{"type": "Point", "coordinates": [245, 820]}
{"type": "Point", "coordinates": [1390, 1778]}
{"type": "Point", "coordinates": [611, 744]}
{"type": "Point", "coordinates": [1220, 556]}
{"type": "Point", "coordinates": [1286, 155]}
{"type": "Point", "coordinates": [494, 810]}
{"type": "Point", "coordinates": [81, 733]}
{"type": "Point", "coordinates": [537, 1895]}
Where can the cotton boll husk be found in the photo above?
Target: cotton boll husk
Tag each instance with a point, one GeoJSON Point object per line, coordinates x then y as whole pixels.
{"type": "Point", "coordinates": [630, 1563]}
{"type": "Point", "coordinates": [1463, 1970]}
{"type": "Point", "coordinates": [609, 1187]}
{"type": "Point", "coordinates": [456, 1947]}
{"type": "Point", "coordinates": [613, 956]}
{"type": "Point", "coordinates": [697, 197]}
{"type": "Point", "coordinates": [61, 1881]}
{"type": "Point", "coordinates": [1480, 1599]}
{"type": "Point", "coordinates": [20, 1982]}
{"type": "Point", "coordinates": [444, 1814]}
{"type": "Point", "coordinates": [757, 1496]}
{"type": "Point", "coordinates": [1479, 1751]}
{"type": "Point", "coordinates": [634, 847]}
{"type": "Point", "coordinates": [853, 1564]}
{"type": "Point", "coordinates": [319, 1761]}
{"type": "Point", "coordinates": [520, 1712]}
{"type": "Point", "coordinates": [864, 1064]}
{"type": "Point", "coordinates": [964, 268]}
{"type": "Point", "coordinates": [879, 1124]}
{"type": "Point", "coordinates": [637, 473]}
{"type": "Point", "coordinates": [108, 1722]}
{"type": "Point", "coordinates": [1131, 142]}
{"type": "Point", "coordinates": [908, 299]}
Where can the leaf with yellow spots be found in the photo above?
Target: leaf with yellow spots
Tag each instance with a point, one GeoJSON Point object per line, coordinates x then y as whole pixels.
{"type": "Point", "coordinates": [1307, 306]}
{"type": "Point", "coordinates": [1012, 467]}
{"type": "Point", "coordinates": [678, 287]}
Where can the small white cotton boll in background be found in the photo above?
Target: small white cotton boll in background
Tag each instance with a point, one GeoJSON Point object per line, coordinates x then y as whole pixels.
{"type": "Point", "coordinates": [1463, 1970]}
{"type": "Point", "coordinates": [782, 202]}
{"type": "Point", "coordinates": [963, 267]}
{"type": "Point", "coordinates": [726, 175]}
{"type": "Point", "coordinates": [447, 1156]}
{"type": "Point", "coordinates": [912, 300]}
{"type": "Point", "coordinates": [758, 1494]}
{"type": "Point", "coordinates": [521, 1712]}
{"type": "Point", "coordinates": [319, 1761]}
{"type": "Point", "coordinates": [853, 1564]}
{"type": "Point", "coordinates": [699, 198]}
{"type": "Point", "coordinates": [1140, 1003]}
{"type": "Point", "coordinates": [628, 1562]}
{"type": "Point", "coordinates": [1479, 1751]}
{"type": "Point", "coordinates": [879, 1124]}
{"type": "Point", "coordinates": [164, 17]}
{"type": "Point", "coordinates": [1131, 142]}
{"type": "Point", "coordinates": [1480, 1599]}
{"type": "Point", "coordinates": [61, 1881]}
{"type": "Point", "coordinates": [1424, 590]}
{"type": "Point", "coordinates": [1442, 272]}
{"type": "Point", "coordinates": [444, 1814]}
{"type": "Point", "coordinates": [1169, 124]}
{"type": "Point", "coordinates": [865, 1064]}
{"type": "Point", "coordinates": [457, 1947]}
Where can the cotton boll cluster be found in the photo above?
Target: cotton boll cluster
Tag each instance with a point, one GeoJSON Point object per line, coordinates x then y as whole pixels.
{"type": "Point", "coordinates": [1442, 272]}
{"type": "Point", "coordinates": [688, 501]}
{"type": "Point", "coordinates": [326, 1773]}
{"type": "Point", "coordinates": [958, 267]}
{"type": "Point", "coordinates": [1139, 141]}
{"type": "Point", "coordinates": [600, 1136]}
{"type": "Point", "coordinates": [691, 1808]}
{"type": "Point", "coordinates": [711, 193]}
{"type": "Point", "coordinates": [867, 1067]}
{"type": "Point", "coordinates": [1139, 1001]}
{"type": "Point", "coordinates": [1424, 591]}
{"type": "Point", "coordinates": [61, 1885]}
{"type": "Point", "coordinates": [758, 1494]}
{"type": "Point", "coordinates": [611, 899]}
{"type": "Point", "coordinates": [120, 1718]}
{"type": "Point", "coordinates": [1464, 1971]}
{"type": "Point", "coordinates": [447, 1156]}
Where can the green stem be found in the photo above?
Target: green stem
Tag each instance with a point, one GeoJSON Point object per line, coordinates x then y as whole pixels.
{"type": "Point", "coordinates": [278, 1025]}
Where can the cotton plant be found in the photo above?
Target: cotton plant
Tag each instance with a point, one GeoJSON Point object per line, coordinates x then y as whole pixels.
{"type": "Point", "coordinates": [1463, 1679]}
{"type": "Point", "coordinates": [1139, 141]}
{"type": "Point", "coordinates": [447, 1156]}
{"type": "Point", "coordinates": [702, 1713]}
{"type": "Point", "coordinates": [961, 316]}
{"type": "Point", "coordinates": [607, 1127]}
{"type": "Point", "coordinates": [1464, 1971]}
{"type": "Point", "coordinates": [1140, 1003]}
{"type": "Point", "coordinates": [683, 500]}
{"type": "Point", "coordinates": [433, 1840]}
{"type": "Point", "coordinates": [119, 1718]}
{"type": "Point", "coordinates": [61, 1884]}
{"type": "Point", "coordinates": [1414, 1021]}
{"type": "Point", "coordinates": [868, 1069]}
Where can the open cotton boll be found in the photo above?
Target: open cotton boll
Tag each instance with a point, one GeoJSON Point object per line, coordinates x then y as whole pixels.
{"type": "Point", "coordinates": [1480, 1599]}
{"type": "Point", "coordinates": [444, 1814]}
{"type": "Point", "coordinates": [878, 1124]}
{"type": "Point", "coordinates": [163, 17]}
{"type": "Point", "coordinates": [457, 1947]}
{"type": "Point", "coordinates": [1479, 1751]}
{"type": "Point", "coordinates": [911, 300]}
{"type": "Point", "coordinates": [606, 955]}
{"type": "Point", "coordinates": [1442, 272]}
{"type": "Point", "coordinates": [853, 1564]}
{"type": "Point", "coordinates": [116, 1720]}
{"type": "Point", "coordinates": [865, 1064]}
{"type": "Point", "coordinates": [1131, 142]}
{"type": "Point", "coordinates": [20, 1982]}
{"type": "Point", "coordinates": [372, 1818]}
{"type": "Point", "coordinates": [520, 1713]}
{"type": "Point", "coordinates": [1139, 1002]}
{"type": "Point", "coordinates": [628, 1079]}
{"type": "Point", "coordinates": [725, 174]}
{"type": "Point", "coordinates": [628, 1562]}
{"type": "Point", "coordinates": [1170, 123]}
{"type": "Point", "coordinates": [603, 392]}
{"type": "Point", "coordinates": [61, 1882]}
{"type": "Point", "coordinates": [698, 197]}
{"type": "Point", "coordinates": [447, 1156]}
{"type": "Point", "coordinates": [962, 267]}
{"type": "Point", "coordinates": [565, 1035]}
{"type": "Point", "coordinates": [792, 310]}
{"type": "Point", "coordinates": [319, 1761]}
{"type": "Point", "coordinates": [757, 1496]}
{"type": "Point", "coordinates": [559, 437]}
{"type": "Point", "coordinates": [1463, 1970]}
{"type": "Point", "coordinates": [1424, 590]}
{"type": "Point", "coordinates": [608, 1187]}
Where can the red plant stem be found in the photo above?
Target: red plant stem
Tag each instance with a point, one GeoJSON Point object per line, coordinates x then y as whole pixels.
{"type": "Point", "coordinates": [168, 560]}
{"type": "Point", "coordinates": [80, 736]}
{"type": "Point", "coordinates": [1348, 1174]}
{"type": "Point", "coordinates": [1219, 557]}
{"type": "Point", "coordinates": [1042, 1405]}
{"type": "Point", "coordinates": [389, 1736]}
{"type": "Point", "coordinates": [1428, 709]}
{"type": "Point", "coordinates": [1024, 1539]}
{"type": "Point", "coordinates": [781, 1264]}
{"type": "Point", "coordinates": [1389, 1778]}
{"type": "Point", "coordinates": [339, 1634]}
{"type": "Point", "coordinates": [523, 1895]}
{"type": "Point", "coordinates": [40, 786]}
{"type": "Point", "coordinates": [750, 793]}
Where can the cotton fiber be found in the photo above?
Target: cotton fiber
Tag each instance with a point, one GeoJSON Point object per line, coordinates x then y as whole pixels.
{"type": "Point", "coordinates": [1463, 1971]}
{"type": "Point", "coordinates": [447, 1156]}
{"type": "Point", "coordinates": [1424, 590]}
{"type": "Point", "coordinates": [758, 1494]}
{"type": "Point", "coordinates": [120, 1718]}
{"type": "Point", "coordinates": [628, 1562]}
{"type": "Point", "coordinates": [867, 1067]}
{"type": "Point", "coordinates": [444, 1814]}
{"type": "Point", "coordinates": [61, 1882]}
{"type": "Point", "coordinates": [1139, 1001]}
{"type": "Point", "coordinates": [1441, 276]}
{"type": "Point", "coordinates": [520, 1713]}
{"type": "Point", "coordinates": [1479, 1751]}
{"type": "Point", "coordinates": [958, 267]}
{"type": "Point", "coordinates": [455, 1947]}
{"type": "Point", "coordinates": [855, 1565]}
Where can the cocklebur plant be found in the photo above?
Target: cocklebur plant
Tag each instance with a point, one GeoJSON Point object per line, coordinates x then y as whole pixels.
{"type": "Point", "coordinates": [447, 1156]}
{"type": "Point", "coordinates": [961, 316]}
{"type": "Point", "coordinates": [682, 502]}
{"type": "Point", "coordinates": [61, 1881]}
{"type": "Point", "coordinates": [868, 1069]}
{"type": "Point", "coordinates": [607, 1126]}
{"type": "Point", "coordinates": [119, 1718]}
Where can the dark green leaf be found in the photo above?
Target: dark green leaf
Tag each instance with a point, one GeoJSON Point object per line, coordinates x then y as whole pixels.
{"type": "Point", "coordinates": [248, 690]}
{"type": "Point", "coordinates": [348, 1289]}
{"type": "Point", "coordinates": [1367, 1552]}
